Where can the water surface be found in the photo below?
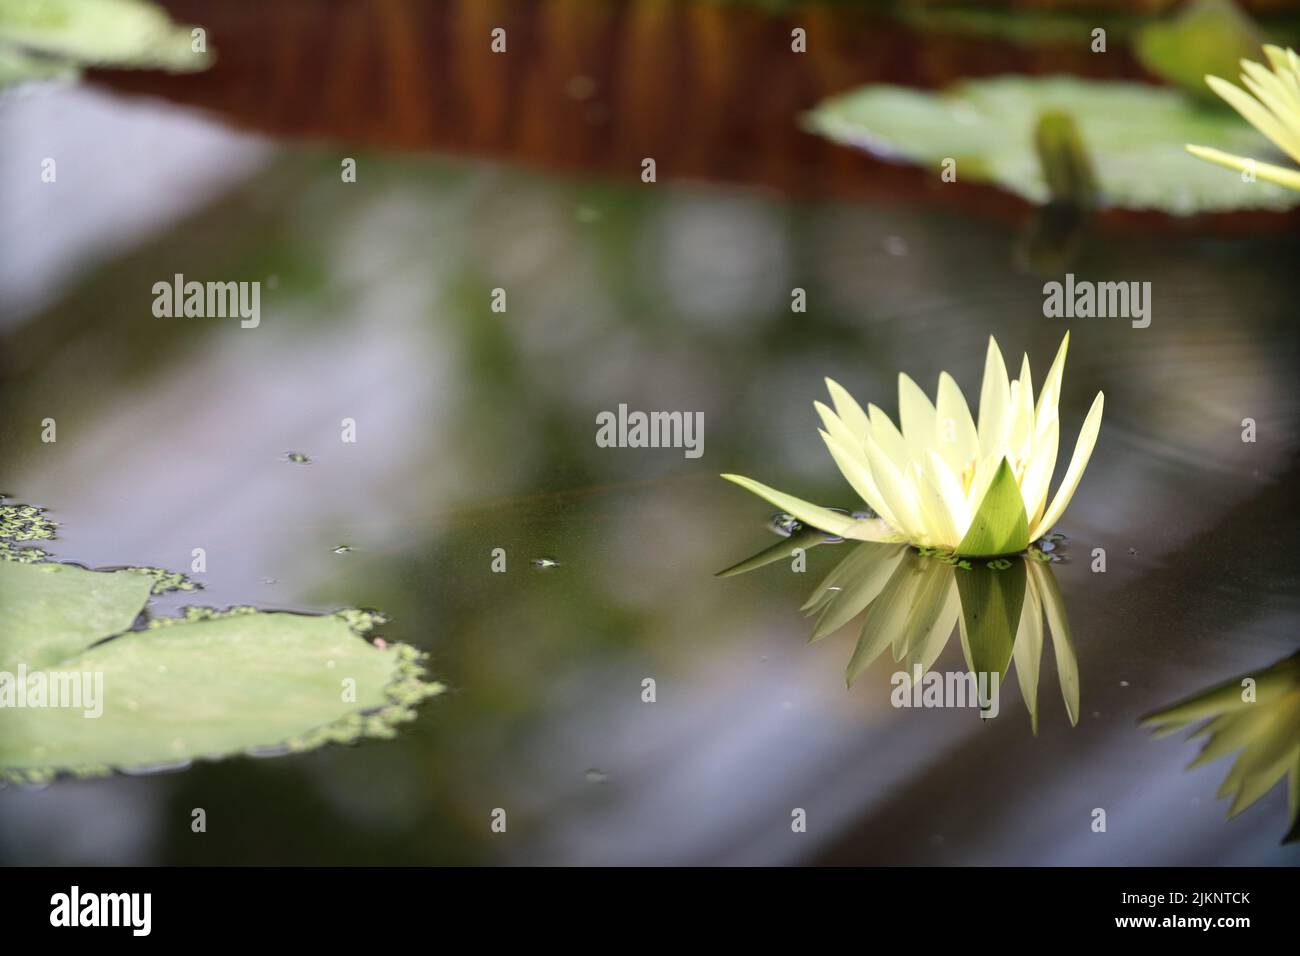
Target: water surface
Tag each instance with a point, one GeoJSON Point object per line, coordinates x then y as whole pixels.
{"type": "Point", "coordinates": [476, 431]}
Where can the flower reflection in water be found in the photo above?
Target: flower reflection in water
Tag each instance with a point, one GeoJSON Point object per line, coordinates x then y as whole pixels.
{"type": "Point", "coordinates": [1257, 714]}
{"type": "Point", "coordinates": [914, 600]}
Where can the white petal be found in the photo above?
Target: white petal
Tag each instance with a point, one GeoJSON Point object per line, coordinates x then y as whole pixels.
{"type": "Point", "coordinates": [934, 509]}
{"type": "Point", "coordinates": [949, 487]}
{"type": "Point", "coordinates": [1078, 462]}
{"type": "Point", "coordinates": [1020, 434]}
{"type": "Point", "coordinates": [1273, 92]}
{"type": "Point", "coordinates": [995, 397]}
{"type": "Point", "coordinates": [861, 529]}
{"type": "Point", "coordinates": [852, 444]}
{"type": "Point", "coordinates": [898, 495]}
{"type": "Point", "coordinates": [1285, 68]}
{"type": "Point", "coordinates": [858, 474]}
{"type": "Point", "coordinates": [1049, 398]}
{"type": "Point", "coordinates": [985, 471]}
{"type": "Point", "coordinates": [1257, 115]}
{"type": "Point", "coordinates": [916, 417]}
{"type": "Point", "coordinates": [1290, 178]}
{"type": "Point", "coordinates": [888, 437]}
{"type": "Point", "coordinates": [849, 411]}
{"type": "Point", "coordinates": [1026, 377]}
{"type": "Point", "coordinates": [1038, 476]}
{"type": "Point", "coordinates": [956, 438]}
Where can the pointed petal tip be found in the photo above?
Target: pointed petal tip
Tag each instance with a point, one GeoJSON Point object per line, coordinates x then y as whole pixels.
{"type": "Point", "coordinates": [1226, 89]}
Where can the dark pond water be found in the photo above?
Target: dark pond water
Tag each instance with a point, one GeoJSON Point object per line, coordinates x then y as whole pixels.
{"type": "Point", "coordinates": [476, 431]}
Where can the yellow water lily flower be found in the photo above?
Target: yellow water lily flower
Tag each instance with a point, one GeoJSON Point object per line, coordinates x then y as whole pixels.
{"type": "Point", "coordinates": [941, 481]}
{"type": "Point", "coordinates": [1274, 110]}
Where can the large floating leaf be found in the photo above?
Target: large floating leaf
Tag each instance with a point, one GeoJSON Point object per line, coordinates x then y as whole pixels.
{"type": "Point", "coordinates": [206, 685]}
{"type": "Point", "coordinates": [1207, 36]}
{"type": "Point", "coordinates": [40, 39]}
{"type": "Point", "coordinates": [1134, 135]}
{"type": "Point", "coordinates": [51, 611]}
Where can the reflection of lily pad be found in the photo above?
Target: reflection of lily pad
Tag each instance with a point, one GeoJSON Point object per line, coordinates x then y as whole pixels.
{"type": "Point", "coordinates": [1133, 133]}
{"type": "Point", "coordinates": [206, 685]}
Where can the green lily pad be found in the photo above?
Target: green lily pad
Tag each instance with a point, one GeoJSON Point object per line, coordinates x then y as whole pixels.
{"type": "Point", "coordinates": [50, 611]}
{"type": "Point", "coordinates": [1207, 36]}
{"type": "Point", "coordinates": [1134, 135]}
{"type": "Point", "coordinates": [86, 687]}
{"type": "Point", "coordinates": [43, 39]}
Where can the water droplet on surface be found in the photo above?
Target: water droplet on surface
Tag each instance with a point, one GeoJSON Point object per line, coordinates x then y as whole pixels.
{"type": "Point", "coordinates": [784, 524]}
{"type": "Point", "coordinates": [148, 770]}
{"type": "Point", "coordinates": [273, 750]}
{"type": "Point", "coordinates": [596, 776]}
{"type": "Point", "coordinates": [834, 538]}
